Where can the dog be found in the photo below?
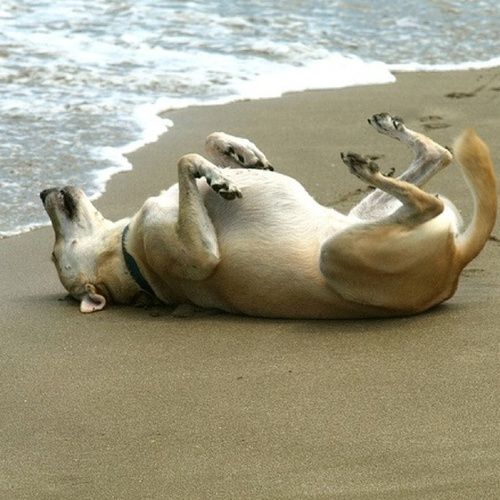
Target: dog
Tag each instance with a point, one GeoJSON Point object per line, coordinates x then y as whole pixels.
{"type": "Point", "coordinates": [236, 236]}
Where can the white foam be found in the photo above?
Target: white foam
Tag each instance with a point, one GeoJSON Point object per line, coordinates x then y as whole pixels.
{"type": "Point", "coordinates": [153, 126]}
{"type": "Point", "coordinates": [335, 71]}
{"type": "Point", "coordinates": [463, 66]}
{"type": "Point", "coordinates": [102, 176]}
{"type": "Point", "coordinates": [19, 229]}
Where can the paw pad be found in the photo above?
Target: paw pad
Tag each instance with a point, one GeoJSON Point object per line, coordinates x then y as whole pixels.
{"type": "Point", "coordinates": [386, 124]}
{"type": "Point", "coordinates": [359, 165]}
{"type": "Point", "coordinates": [225, 189]}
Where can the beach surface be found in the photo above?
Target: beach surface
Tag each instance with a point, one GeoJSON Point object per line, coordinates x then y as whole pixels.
{"type": "Point", "coordinates": [135, 403]}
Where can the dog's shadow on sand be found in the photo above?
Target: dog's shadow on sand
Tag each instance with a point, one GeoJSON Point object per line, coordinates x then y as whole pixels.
{"type": "Point", "coordinates": [189, 313]}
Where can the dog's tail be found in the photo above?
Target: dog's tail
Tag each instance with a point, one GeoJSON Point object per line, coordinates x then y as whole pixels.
{"type": "Point", "coordinates": [474, 157]}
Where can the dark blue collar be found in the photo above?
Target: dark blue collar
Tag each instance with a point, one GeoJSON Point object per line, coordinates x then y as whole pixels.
{"type": "Point", "coordinates": [133, 268]}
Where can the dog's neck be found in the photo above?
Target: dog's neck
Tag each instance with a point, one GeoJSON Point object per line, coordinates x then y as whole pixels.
{"type": "Point", "coordinates": [133, 268]}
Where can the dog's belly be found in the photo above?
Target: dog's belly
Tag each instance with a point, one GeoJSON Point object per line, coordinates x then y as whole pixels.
{"type": "Point", "coordinates": [273, 207]}
{"type": "Point", "coordinates": [269, 244]}
{"type": "Point", "coordinates": [277, 225]}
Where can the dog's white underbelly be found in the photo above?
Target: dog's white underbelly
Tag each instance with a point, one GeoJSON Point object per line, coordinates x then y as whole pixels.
{"type": "Point", "coordinates": [272, 203]}
{"type": "Point", "coordinates": [269, 243]}
{"type": "Point", "coordinates": [274, 219]}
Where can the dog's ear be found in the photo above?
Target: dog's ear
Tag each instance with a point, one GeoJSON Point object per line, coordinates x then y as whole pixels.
{"type": "Point", "coordinates": [92, 301]}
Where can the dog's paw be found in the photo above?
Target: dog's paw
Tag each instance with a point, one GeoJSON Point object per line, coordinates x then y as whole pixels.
{"type": "Point", "coordinates": [223, 186]}
{"type": "Point", "coordinates": [228, 192]}
{"type": "Point", "coordinates": [360, 166]}
{"type": "Point", "coordinates": [387, 124]}
{"type": "Point", "coordinates": [247, 157]}
{"type": "Point", "coordinates": [231, 151]}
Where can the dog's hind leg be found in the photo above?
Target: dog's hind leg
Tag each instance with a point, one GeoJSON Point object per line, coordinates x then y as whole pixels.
{"type": "Point", "coordinates": [429, 158]}
{"type": "Point", "coordinates": [394, 263]}
{"type": "Point", "coordinates": [235, 152]}
{"type": "Point", "coordinates": [415, 206]}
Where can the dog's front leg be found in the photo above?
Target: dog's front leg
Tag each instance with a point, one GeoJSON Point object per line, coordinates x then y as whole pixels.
{"type": "Point", "coordinates": [235, 152]}
{"type": "Point", "coordinates": [197, 252]}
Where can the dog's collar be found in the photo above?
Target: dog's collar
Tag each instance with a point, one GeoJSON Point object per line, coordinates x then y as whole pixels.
{"type": "Point", "coordinates": [133, 268]}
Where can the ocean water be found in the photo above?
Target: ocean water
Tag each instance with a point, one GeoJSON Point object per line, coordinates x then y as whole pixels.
{"type": "Point", "coordinates": [82, 81]}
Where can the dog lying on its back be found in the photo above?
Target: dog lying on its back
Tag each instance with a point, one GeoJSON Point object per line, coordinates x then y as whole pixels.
{"type": "Point", "coordinates": [248, 240]}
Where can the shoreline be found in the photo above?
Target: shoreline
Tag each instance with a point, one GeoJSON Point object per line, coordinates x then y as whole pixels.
{"type": "Point", "coordinates": [161, 124]}
{"type": "Point", "coordinates": [134, 403]}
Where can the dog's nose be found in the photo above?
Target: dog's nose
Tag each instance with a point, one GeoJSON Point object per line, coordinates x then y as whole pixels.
{"type": "Point", "coordinates": [45, 193]}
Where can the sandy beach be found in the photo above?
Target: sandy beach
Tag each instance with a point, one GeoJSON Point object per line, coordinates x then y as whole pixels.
{"type": "Point", "coordinates": [131, 403]}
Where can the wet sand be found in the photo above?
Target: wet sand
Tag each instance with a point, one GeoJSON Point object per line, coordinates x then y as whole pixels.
{"type": "Point", "coordinates": [134, 403]}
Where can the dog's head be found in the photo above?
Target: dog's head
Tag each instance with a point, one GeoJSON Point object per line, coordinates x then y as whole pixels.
{"type": "Point", "coordinates": [87, 250]}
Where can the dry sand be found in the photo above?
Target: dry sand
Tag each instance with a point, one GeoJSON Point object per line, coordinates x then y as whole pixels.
{"type": "Point", "coordinates": [131, 403]}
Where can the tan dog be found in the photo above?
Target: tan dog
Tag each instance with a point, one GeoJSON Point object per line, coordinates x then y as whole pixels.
{"type": "Point", "coordinates": [247, 240]}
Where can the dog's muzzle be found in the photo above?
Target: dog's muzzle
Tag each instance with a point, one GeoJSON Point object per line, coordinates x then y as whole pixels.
{"type": "Point", "coordinates": [65, 197]}
{"type": "Point", "coordinates": [45, 193]}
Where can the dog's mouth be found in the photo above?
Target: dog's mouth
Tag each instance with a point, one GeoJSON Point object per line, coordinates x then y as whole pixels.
{"type": "Point", "coordinates": [64, 199]}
